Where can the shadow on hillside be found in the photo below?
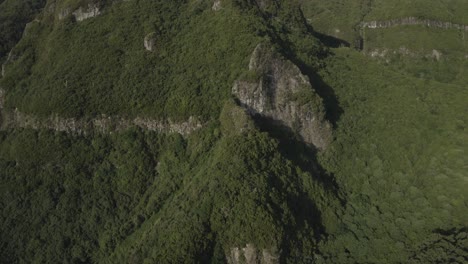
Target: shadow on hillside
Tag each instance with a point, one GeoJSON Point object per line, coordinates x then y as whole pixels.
{"type": "Point", "coordinates": [330, 101]}
{"type": "Point", "coordinates": [304, 156]}
{"type": "Point", "coordinates": [330, 41]}
{"type": "Point", "coordinates": [325, 91]}
{"type": "Point", "coordinates": [297, 151]}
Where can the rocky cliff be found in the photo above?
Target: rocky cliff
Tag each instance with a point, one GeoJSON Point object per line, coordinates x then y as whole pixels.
{"type": "Point", "coordinates": [80, 12]}
{"type": "Point", "coordinates": [217, 5]}
{"type": "Point", "coordinates": [10, 59]}
{"type": "Point", "coordinates": [2, 98]}
{"type": "Point", "coordinates": [413, 21]}
{"type": "Point", "coordinates": [2, 103]}
{"type": "Point", "coordinates": [92, 10]}
{"type": "Point", "coordinates": [383, 52]}
{"type": "Point", "coordinates": [251, 255]}
{"type": "Point", "coordinates": [434, 55]}
{"type": "Point", "coordinates": [150, 41]}
{"type": "Point", "coordinates": [103, 124]}
{"type": "Point", "coordinates": [276, 89]}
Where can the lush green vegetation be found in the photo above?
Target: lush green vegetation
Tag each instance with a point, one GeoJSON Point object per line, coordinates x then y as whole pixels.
{"type": "Point", "coordinates": [68, 79]}
{"type": "Point", "coordinates": [399, 154]}
{"type": "Point", "coordinates": [138, 196]}
{"type": "Point", "coordinates": [191, 72]}
{"type": "Point", "coordinates": [425, 53]}
{"type": "Point", "coordinates": [390, 188]}
{"type": "Point", "coordinates": [418, 39]}
{"type": "Point", "coordinates": [447, 10]}
{"type": "Point", "coordinates": [347, 15]}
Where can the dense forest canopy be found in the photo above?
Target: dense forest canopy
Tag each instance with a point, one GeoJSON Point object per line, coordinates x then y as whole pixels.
{"type": "Point", "coordinates": [151, 131]}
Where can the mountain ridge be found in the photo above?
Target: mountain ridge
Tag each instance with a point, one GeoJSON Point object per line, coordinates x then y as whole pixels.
{"type": "Point", "coordinates": [233, 131]}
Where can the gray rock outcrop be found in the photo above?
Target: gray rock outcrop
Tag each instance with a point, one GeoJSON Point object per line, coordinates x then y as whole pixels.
{"type": "Point", "coordinates": [80, 14]}
{"type": "Point", "coordinates": [251, 255]}
{"type": "Point", "coordinates": [413, 21]}
{"type": "Point", "coordinates": [385, 53]}
{"type": "Point", "coordinates": [10, 59]}
{"type": "Point", "coordinates": [84, 13]}
{"type": "Point", "coordinates": [150, 41]}
{"type": "Point", "coordinates": [217, 5]}
{"type": "Point", "coordinates": [2, 105]}
{"type": "Point", "coordinates": [278, 91]}
{"type": "Point", "coordinates": [437, 55]}
{"type": "Point", "coordinates": [103, 124]}
{"type": "Point", "coordinates": [2, 98]}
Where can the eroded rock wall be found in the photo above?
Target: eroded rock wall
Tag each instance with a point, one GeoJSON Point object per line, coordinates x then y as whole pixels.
{"type": "Point", "coordinates": [277, 90]}
{"type": "Point", "coordinates": [251, 255]}
{"type": "Point", "coordinates": [92, 10]}
{"type": "Point", "coordinates": [413, 21]}
{"type": "Point", "coordinates": [80, 13]}
{"type": "Point", "coordinates": [217, 5]}
{"type": "Point", "coordinates": [103, 124]}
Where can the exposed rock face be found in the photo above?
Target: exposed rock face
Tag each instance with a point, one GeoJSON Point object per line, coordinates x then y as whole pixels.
{"type": "Point", "coordinates": [10, 59]}
{"type": "Point", "coordinates": [150, 41]}
{"type": "Point", "coordinates": [85, 13]}
{"type": "Point", "coordinates": [82, 13]}
{"type": "Point", "coordinates": [63, 13]}
{"type": "Point", "coordinates": [251, 255]}
{"type": "Point", "coordinates": [2, 98]}
{"type": "Point", "coordinates": [280, 92]}
{"type": "Point", "coordinates": [217, 5]}
{"type": "Point", "coordinates": [436, 55]}
{"type": "Point", "coordinates": [104, 124]}
{"type": "Point", "coordinates": [403, 51]}
{"type": "Point", "coordinates": [413, 21]}
{"type": "Point", "coordinates": [377, 53]}
{"type": "Point", "coordinates": [4, 69]}
{"type": "Point", "coordinates": [2, 105]}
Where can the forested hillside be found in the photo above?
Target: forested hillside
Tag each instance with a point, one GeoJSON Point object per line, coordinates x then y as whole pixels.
{"type": "Point", "coordinates": [233, 131]}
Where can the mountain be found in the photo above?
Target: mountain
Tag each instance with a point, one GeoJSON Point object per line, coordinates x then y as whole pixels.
{"type": "Point", "coordinates": [233, 131]}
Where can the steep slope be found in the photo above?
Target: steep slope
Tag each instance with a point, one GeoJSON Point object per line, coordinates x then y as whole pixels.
{"type": "Point", "coordinates": [130, 194]}
{"type": "Point", "coordinates": [277, 90]}
{"type": "Point", "coordinates": [68, 79]}
{"type": "Point", "coordinates": [402, 137]}
{"type": "Point", "coordinates": [400, 152]}
{"type": "Point", "coordinates": [227, 131]}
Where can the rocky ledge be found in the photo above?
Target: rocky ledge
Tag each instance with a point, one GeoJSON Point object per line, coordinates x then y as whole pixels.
{"type": "Point", "coordinates": [413, 21]}
{"type": "Point", "coordinates": [251, 255]}
{"type": "Point", "coordinates": [81, 126]}
{"type": "Point", "coordinates": [80, 14]}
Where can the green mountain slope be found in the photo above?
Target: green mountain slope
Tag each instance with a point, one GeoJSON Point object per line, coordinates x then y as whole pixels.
{"type": "Point", "coordinates": [233, 131]}
{"type": "Point", "coordinates": [399, 152]}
